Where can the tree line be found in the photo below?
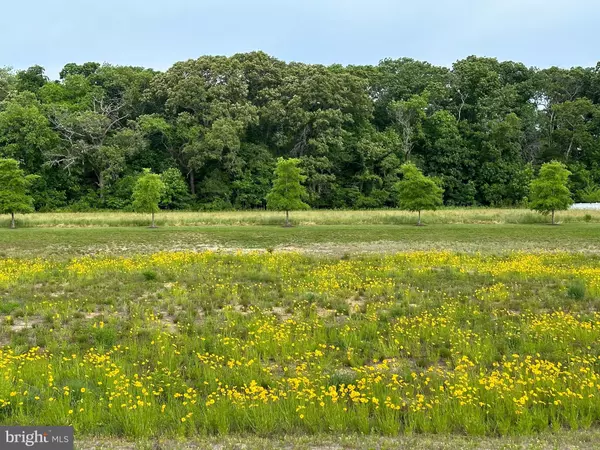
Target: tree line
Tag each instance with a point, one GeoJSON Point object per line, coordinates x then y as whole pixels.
{"type": "Point", "coordinates": [213, 129]}
{"type": "Point", "coordinates": [416, 192]}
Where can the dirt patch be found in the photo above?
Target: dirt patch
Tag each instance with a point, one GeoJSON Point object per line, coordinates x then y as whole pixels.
{"type": "Point", "coordinates": [281, 313]}
{"type": "Point", "coordinates": [20, 324]}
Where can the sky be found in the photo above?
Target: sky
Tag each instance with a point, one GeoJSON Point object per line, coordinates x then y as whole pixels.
{"type": "Point", "coordinates": [155, 33]}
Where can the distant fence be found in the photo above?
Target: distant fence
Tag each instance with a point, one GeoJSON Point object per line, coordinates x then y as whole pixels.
{"type": "Point", "coordinates": [585, 206]}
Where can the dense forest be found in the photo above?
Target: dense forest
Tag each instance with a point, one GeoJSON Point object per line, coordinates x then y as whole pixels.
{"type": "Point", "coordinates": [214, 127]}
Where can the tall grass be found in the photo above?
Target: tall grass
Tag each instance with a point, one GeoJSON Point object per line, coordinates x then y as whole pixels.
{"type": "Point", "coordinates": [303, 218]}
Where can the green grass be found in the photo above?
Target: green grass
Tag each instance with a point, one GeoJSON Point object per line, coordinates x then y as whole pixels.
{"type": "Point", "coordinates": [153, 314]}
{"type": "Point", "coordinates": [180, 344]}
{"type": "Point", "coordinates": [303, 218]}
{"type": "Point", "coordinates": [335, 239]}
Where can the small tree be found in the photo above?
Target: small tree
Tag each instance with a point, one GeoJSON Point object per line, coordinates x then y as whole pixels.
{"type": "Point", "coordinates": [147, 193]}
{"type": "Point", "coordinates": [417, 192]}
{"type": "Point", "coordinates": [549, 191]}
{"type": "Point", "coordinates": [14, 187]}
{"type": "Point", "coordinates": [287, 192]}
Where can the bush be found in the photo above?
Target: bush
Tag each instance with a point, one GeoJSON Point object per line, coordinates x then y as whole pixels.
{"type": "Point", "coordinates": [150, 275]}
{"type": "Point", "coordinates": [576, 290]}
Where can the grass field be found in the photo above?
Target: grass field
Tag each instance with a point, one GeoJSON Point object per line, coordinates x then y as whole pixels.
{"type": "Point", "coordinates": [303, 218]}
{"type": "Point", "coordinates": [457, 335]}
{"type": "Point", "coordinates": [180, 343]}
{"type": "Point", "coordinates": [318, 239]}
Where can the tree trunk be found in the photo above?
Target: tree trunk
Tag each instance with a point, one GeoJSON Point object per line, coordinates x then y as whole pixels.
{"type": "Point", "coordinates": [192, 183]}
{"type": "Point", "coordinates": [287, 218]}
{"type": "Point", "coordinates": [419, 222]}
{"type": "Point", "coordinates": [552, 217]}
{"type": "Point", "coordinates": [570, 147]}
{"type": "Point", "coordinates": [153, 226]}
{"type": "Point", "coordinates": [12, 221]}
{"type": "Point", "coordinates": [101, 185]}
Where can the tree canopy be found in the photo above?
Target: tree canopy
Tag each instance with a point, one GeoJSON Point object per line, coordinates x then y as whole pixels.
{"type": "Point", "coordinates": [483, 127]}
{"type": "Point", "coordinates": [14, 186]}
{"type": "Point", "coordinates": [288, 192]}
{"type": "Point", "coordinates": [549, 191]}
{"type": "Point", "coordinates": [147, 193]}
{"type": "Point", "coordinates": [416, 192]}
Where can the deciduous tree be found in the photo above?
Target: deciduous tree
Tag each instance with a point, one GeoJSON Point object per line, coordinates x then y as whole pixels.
{"type": "Point", "coordinates": [147, 193]}
{"type": "Point", "coordinates": [416, 192]}
{"type": "Point", "coordinates": [549, 191]}
{"type": "Point", "coordinates": [14, 186]}
{"type": "Point", "coordinates": [287, 192]}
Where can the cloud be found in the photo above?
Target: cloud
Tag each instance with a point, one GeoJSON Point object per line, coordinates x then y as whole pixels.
{"type": "Point", "coordinates": [156, 33]}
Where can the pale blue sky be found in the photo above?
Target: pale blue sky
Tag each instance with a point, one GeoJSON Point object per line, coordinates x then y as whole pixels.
{"type": "Point", "coordinates": [156, 34]}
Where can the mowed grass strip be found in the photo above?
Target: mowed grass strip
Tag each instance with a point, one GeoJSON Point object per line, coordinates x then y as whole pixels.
{"type": "Point", "coordinates": [335, 239]}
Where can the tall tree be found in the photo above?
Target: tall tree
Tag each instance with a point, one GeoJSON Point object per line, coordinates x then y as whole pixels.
{"type": "Point", "coordinates": [447, 155]}
{"type": "Point", "coordinates": [317, 110]}
{"type": "Point", "coordinates": [95, 140]}
{"type": "Point", "coordinates": [408, 116]}
{"type": "Point", "coordinates": [575, 131]}
{"type": "Point", "coordinates": [31, 79]}
{"type": "Point", "coordinates": [397, 80]}
{"type": "Point", "coordinates": [25, 132]}
{"type": "Point", "coordinates": [7, 82]}
{"type": "Point", "coordinates": [212, 94]}
{"type": "Point", "coordinates": [502, 176]}
{"type": "Point", "coordinates": [480, 126]}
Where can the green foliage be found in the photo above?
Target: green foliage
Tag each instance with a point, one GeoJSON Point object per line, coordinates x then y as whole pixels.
{"type": "Point", "coordinates": [119, 194]}
{"type": "Point", "coordinates": [255, 180]}
{"type": "Point", "coordinates": [287, 192]}
{"type": "Point", "coordinates": [31, 79]}
{"type": "Point", "coordinates": [407, 117]}
{"type": "Point", "coordinates": [25, 132]}
{"type": "Point", "coordinates": [14, 187]}
{"type": "Point", "coordinates": [590, 194]}
{"type": "Point", "coordinates": [447, 156]}
{"type": "Point", "coordinates": [7, 82]}
{"type": "Point", "coordinates": [549, 191]}
{"type": "Point", "coordinates": [576, 290]}
{"type": "Point", "coordinates": [416, 192]}
{"type": "Point", "coordinates": [176, 195]}
{"type": "Point", "coordinates": [147, 193]}
{"type": "Point", "coordinates": [149, 275]}
{"type": "Point", "coordinates": [481, 127]}
{"type": "Point", "coordinates": [501, 319]}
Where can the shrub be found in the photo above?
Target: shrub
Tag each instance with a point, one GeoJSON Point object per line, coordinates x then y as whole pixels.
{"type": "Point", "coordinates": [576, 290]}
{"type": "Point", "coordinates": [150, 275]}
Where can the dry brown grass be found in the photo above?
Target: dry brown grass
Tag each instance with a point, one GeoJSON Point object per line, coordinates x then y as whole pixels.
{"type": "Point", "coordinates": [304, 218]}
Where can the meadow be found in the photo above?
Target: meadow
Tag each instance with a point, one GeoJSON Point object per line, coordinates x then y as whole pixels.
{"type": "Point", "coordinates": [358, 336]}
{"type": "Point", "coordinates": [472, 215]}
